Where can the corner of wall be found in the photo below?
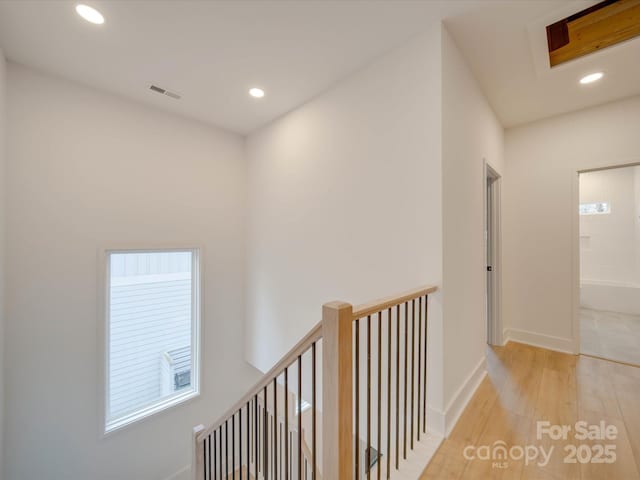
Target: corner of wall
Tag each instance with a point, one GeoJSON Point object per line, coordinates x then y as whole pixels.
{"type": "Point", "coordinates": [3, 88]}
{"type": "Point", "coordinates": [471, 135]}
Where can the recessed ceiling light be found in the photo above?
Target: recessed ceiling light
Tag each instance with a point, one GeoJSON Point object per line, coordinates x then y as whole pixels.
{"type": "Point", "coordinates": [592, 77]}
{"type": "Point", "coordinates": [90, 14]}
{"type": "Point", "coordinates": [256, 92]}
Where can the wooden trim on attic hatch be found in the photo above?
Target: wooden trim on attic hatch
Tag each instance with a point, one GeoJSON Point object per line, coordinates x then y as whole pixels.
{"type": "Point", "coordinates": [600, 26]}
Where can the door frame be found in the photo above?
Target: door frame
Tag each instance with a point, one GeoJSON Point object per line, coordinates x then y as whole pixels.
{"type": "Point", "coordinates": [575, 224]}
{"type": "Point", "coordinates": [493, 254]}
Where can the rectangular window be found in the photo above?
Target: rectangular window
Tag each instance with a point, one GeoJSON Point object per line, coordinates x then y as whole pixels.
{"type": "Point", "coordinates": [596, 208]}
{"type": "Point", "coordinates": [152, 332]}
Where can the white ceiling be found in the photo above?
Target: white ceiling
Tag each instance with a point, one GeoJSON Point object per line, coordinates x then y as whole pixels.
{"type": "Point", "coordinates": [212, 52]}
{"type": "Point", "coordinates": [505, 46]}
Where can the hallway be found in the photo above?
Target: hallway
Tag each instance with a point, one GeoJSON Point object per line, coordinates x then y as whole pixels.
{"type": "Point", "coordinates": [526, 384]}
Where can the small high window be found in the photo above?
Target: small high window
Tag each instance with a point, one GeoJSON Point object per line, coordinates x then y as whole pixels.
{"type": "Point", "coordinates": [596, 208]}
{"type": "Point", "coordinates": [152, 332]}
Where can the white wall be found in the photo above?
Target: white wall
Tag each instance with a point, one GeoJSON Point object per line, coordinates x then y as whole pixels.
{"type": "Point", "coordinates": [345, 199]}
{"type": "Point", "coordinates": [2, 248]}
{"type": "Point", "coordinates": [636, 188]}
{"type": "Point", "coordinates": [86, 170]}
{"type": "Point", "coordinates": [539, 210]}
{"type": "Point", "coordinates": [322, 177]}
{"type": "Point", "coordinates": [608, 242]}
{"type": "Point", "coordinates": [471, 133]}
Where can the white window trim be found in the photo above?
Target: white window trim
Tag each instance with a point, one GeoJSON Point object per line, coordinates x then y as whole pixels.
{"type": "Point", "coordinates": [109, 427]}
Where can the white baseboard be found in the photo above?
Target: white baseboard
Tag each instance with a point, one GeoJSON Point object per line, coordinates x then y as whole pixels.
{"type": "Point", "coordinates": [435, 421]}
{"type": "Point", "coordinates": [505, 336]}
{"type": "Point", "coordinates": [462, 397]}
{"type": "Point", "coordinates": [558, 344]}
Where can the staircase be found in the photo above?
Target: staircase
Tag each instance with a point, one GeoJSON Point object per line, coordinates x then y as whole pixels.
{"type": "Point", "coordinates": [349, 401]}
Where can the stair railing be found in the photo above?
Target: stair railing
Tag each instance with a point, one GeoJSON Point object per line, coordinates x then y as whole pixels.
{"type": "Point", "coordinates": [388, 408]}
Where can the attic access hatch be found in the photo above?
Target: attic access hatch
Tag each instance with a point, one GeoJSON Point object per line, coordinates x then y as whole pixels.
{"type": "Point", "coordinates": [600, 26]}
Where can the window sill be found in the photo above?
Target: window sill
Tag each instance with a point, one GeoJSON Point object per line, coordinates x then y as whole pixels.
{"type": "Point", "coordinates": [120, 423]}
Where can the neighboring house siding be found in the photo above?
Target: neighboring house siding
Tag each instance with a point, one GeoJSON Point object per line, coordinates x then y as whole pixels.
{"type": "Point", "coordinates": [150, 315]}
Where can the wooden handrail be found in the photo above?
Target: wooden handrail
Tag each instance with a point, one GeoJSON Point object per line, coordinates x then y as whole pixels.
{"type": "Point", "coordinates": [376, 306]}
{"type": "Point", "coordinates": [301, 347]}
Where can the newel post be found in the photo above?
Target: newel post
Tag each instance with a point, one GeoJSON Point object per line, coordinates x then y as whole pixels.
{"type": "Point", "coordinates": [197, 461]}
{"type": "Point", "coordinates": [337, 391]}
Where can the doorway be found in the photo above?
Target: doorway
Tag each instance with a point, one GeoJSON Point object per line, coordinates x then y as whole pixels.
{"type": "Point", "coordinates": [609, 239]}
{"type": "Point", "coordinates": [492, 254]}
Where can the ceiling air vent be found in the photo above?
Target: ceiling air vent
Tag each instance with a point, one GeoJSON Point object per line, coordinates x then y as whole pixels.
{"type": "Point", "coordinates": [164, 91]}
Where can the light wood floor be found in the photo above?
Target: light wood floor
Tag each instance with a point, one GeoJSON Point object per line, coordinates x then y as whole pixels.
{"type": "Point", "coordinates": [527, 384]}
